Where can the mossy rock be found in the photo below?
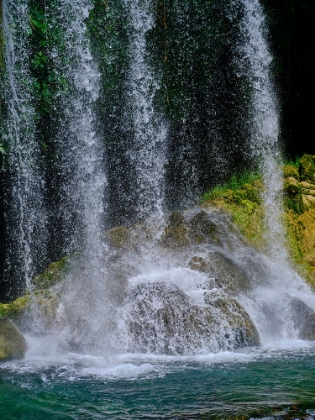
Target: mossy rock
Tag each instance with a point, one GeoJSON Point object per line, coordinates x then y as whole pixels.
{"type": "Point", "coordinates": [53, 275]}
{"type": "Point", "coordinates": [16, 308]}
{"type": "Point", "coordinates": [175, 234]}
{"type": "Point", "coordinates": [307, 168]}
{"type": "Point", "coordinates": [118, 237]}
{"type": "Point", "coordinates": [227, 273]}
{"type": "Point", "coordinates": [202, 229]}
{"type": "Point", "coordinates": [12, 342]}
{"type": "Point", "coordinates": [46, 302]}
{"type": "Point", "coordinates": [290, 171]}
{"type": "Point", "coordinates": [293, 195]}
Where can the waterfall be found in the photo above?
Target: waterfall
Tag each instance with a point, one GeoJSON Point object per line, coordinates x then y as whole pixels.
{"type": "Point", "coordinates": [256, 62]}
{"type": "Point", "coordinates": [83, 177]}
{"type": "Point", "coordinates": [27, 213]}
{"type": "Point", "coordinates": [149, 131]}
{"type": "Point", "coordinates": [78, 141]}
{"type": "Point", "coordinates": [183, 285]}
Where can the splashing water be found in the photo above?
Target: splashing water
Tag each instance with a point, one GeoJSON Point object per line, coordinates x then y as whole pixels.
{"type": "Point", "coordinates": [264, 119]}
{"type": "Point", "coordinates": [149, 131]}
{"type": "Point", "coordinates": [28, 234]}
{"type": "Point", "coordinates": [82, 167]}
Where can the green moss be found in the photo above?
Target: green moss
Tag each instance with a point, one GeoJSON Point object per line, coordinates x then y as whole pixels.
{"type": "Point", "coordinates": [241, 198]}
{"type": "Point", "coordinates": [14, 309]}
{"type": "Point", "coordinates": [307, 168]}
{"type": "Point", "coordinates": [291, 170]}
{"type": "Point", "coordinates": [53, 275]}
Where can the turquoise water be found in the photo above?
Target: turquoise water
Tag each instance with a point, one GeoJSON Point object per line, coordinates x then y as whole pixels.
{"type": "Point", "coordinates": [264, 383]}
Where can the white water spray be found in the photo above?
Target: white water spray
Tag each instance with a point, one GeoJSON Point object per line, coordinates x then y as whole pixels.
{"type": "Point", "coordinates": [149, 131]}
{"type": "Point", "coordinates": [264, 120]}
{"type": "Point", "coordinates": [27, 199]}
{"type": "Point", "coordinates": [80, 148]}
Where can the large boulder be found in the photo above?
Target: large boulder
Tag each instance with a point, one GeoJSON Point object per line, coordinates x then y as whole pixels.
{"type": "Point", "coordinates": [303, 319]}
{"type": "Point", "coordinates": [227, 273]}
{"type": "Point", "coordinates": [161, 319]}
{"type": "Point", "coordinates": [12, 342]}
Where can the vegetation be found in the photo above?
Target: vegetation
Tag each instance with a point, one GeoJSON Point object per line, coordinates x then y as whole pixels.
{"type": "Point", "coordinates": [241, 198]}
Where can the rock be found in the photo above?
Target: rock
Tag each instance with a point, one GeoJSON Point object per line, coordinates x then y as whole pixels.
{"type": "Point", "coordinates": [54, 274]}
{"type": "Point", "coordinates": [304, 319]}
{"type": "Point", "coordinates": [12, 342]}
{"type": "Point", "coordinates": [175, 234]}
{"type": "Point", "coordinates": [45, 302]}
{"type": "Point", "coordinates": [226, 272]}
{"type": "Point", "coordinates": [202, 229]}
{"type": "Point", "coordinates": [291, 171]}
{"type": "Point", "coordinates": [307, 168]}
{"type": "Point", "coordinates": [161, 319]}
{"type": "Point", "coordinates": [118, 237]}
{"type": "Point", "coordinates": [293, 195]}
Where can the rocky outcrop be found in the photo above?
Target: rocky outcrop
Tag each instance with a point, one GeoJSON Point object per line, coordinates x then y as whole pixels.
{"type": "Point", "coordinates": [304, 319]}
{"type": "Point", "coordinates": [12, 342]}
{"type": "Point", "coordinates": [226, 273]}
{"type": "Point", "coordinates": [162, 320]}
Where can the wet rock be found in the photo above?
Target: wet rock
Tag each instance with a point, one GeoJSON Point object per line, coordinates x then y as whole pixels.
{"type": "Point", "coordinates": [118, 237]}
{"type": "Point", "coordinates": [293, 195]}
{"type": "Point", "coordinates": [161, 319]}
{"type": "Point", "coordinates": [226, 272]}
{"type": "Point", "coordinates": [54, 274]}
{"type": "Point", "coordinates": [307, 168]}
{"type": "Point", "coordinates": [12, 342]}
{"type": "Point", "coordinates": [304, 319]}
{"type": "Point", "coordinates": [175, 234]}
{"type": "Point", "coordinates": [203, 229]}
{"type": "Point", "coordinates": [291, 171]}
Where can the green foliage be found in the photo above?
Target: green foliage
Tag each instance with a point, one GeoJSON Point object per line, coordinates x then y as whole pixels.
{"type": "Point", "coordinates": [234, 188]}
{"type": "Point", "coordinates": [44, 34]}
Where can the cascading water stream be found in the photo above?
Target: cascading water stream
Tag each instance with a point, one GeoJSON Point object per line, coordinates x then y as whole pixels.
{"type": "Point", "coordinates": [254, 63]}
{"type": "Point", "coordinates": [79, 144]}
{"type": "Point", "coordinates": [193, 287]}
{"type": "Point", "coordinates": [27, 212]}
{"type": "Point", "coordinates": [263, 119]}
{"type": "Point", "coordinates": [149, 131]}
{"type": "Point", "coordinates": [83, 192]}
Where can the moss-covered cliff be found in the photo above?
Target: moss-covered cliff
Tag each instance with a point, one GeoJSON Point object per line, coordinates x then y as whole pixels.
{"type": "Point", "coordinates": [241, 199]}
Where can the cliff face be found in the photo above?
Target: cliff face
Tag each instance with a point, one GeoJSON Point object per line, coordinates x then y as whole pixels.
{"type": "Point", "coordinates": [292, 32]}
{"type": "Point", "coordinates": [241, 200]}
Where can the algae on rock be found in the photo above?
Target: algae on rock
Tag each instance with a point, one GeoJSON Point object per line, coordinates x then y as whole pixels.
{"type": "Point", "coordinates": [12, 342]}
{"type": "Point", "coordinates": [247, 212]}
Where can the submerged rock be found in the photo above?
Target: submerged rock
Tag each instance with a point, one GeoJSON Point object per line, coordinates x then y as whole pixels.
{"type": "Point", "coordinates": [161, 319]}
{"type": "Point", "coordinates": [12, 342]}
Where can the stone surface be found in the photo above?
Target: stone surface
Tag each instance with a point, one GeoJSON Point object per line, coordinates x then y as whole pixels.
{"type": "Point", "coordinates": [12, 342]}
{"type": "Point", "coordinates": [161, 319]}
{"type": "Point", "coordinates": [307, 168]}
{"type": "Point", "coordinates": [304, 319]}
{"type": "Point", "coordinates": [226, 272]}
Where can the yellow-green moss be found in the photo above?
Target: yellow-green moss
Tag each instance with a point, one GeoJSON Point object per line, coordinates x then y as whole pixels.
{"type": "Point", "coordinates": [244, 206]}
{"type": "Point", "coordinates": [53, 275]}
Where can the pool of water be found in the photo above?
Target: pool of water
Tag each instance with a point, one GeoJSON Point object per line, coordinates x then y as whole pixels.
{"type": "Point", "coordinates": [258, 384]}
